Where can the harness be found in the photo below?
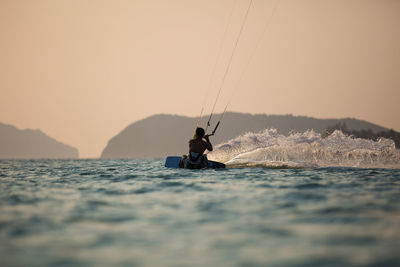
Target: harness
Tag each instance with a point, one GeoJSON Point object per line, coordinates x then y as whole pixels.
{"type": "Point", "coordinates": [195, 161]}
{"type": "Point", "coordinates": [195, 157]}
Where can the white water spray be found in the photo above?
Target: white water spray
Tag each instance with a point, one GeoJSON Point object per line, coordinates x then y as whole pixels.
{"type": "Point", "coordinates": [308, 149]}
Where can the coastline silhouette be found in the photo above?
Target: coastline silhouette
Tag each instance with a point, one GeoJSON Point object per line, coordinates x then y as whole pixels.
{"type": "Point", "coordinates": [32, 144]}
{"type": "Point", "coordinates": [162, 135]}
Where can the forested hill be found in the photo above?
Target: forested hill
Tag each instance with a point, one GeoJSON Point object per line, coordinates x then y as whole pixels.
{"type": "Point", "coordinates": [31, 144]}
{"type": "Point", "coordinates": [162, 135]}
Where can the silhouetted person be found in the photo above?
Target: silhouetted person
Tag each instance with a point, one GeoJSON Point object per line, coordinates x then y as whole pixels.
{"type": "Point", "coordinates": [196, 158]}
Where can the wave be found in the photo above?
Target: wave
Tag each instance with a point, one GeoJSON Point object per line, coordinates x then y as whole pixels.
{"type": "Point", "coordinates": [270, 149]}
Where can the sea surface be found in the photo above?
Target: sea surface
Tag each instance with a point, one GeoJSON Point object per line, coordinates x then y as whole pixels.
{"type": "Point", "coordinates": [297, 200]}
{"type": "Point", "coordinates": [139, 213]}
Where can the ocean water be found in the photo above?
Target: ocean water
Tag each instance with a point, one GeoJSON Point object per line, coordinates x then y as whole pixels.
{"type": "Point", "coordinates": [285, 210]}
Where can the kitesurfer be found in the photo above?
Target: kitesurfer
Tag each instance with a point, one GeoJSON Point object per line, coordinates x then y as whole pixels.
{"type": "Point", "coordinates": [196, 158]}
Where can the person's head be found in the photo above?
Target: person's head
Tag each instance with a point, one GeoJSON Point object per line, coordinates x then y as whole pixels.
{"type": "Point", "coordinates": [199, 132]}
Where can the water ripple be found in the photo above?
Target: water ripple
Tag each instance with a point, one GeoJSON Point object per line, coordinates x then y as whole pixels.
{"type": "Point", "coordinates": [136, 212]}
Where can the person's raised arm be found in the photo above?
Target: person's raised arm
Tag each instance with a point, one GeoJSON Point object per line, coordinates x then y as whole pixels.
{"type": "Point", "coordinates": [209, 145]}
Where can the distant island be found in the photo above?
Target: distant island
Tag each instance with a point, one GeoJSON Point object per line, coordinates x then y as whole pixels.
{"type": "Point", "coordinates": [162, 135]}
{"type": "Point", "coordinates": [31, 144]}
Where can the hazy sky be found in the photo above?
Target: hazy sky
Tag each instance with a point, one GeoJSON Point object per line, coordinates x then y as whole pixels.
{"type": "Point", "coordinates": [81, 71]}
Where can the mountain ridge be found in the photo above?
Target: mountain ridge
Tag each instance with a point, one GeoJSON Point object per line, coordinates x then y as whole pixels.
{"type": "Point", "coordinates": [165, 134]}
{"type": "Point", "coordinates": [32, 144]}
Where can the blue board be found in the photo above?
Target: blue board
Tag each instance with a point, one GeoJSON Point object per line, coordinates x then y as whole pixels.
{"type": "Point", "coordinates": [173, 162]}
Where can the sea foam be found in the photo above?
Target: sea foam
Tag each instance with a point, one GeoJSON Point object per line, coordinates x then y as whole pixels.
{"type": "Point", "coordinates": [268, 148]}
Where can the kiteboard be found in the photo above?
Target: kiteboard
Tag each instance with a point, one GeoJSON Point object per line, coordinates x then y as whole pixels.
{"type": "Point", "coordinates": [173, 162]}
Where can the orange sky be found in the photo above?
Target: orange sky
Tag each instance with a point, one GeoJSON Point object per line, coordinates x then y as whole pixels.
{"type": "Point", "coordinates": [81, 71]}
